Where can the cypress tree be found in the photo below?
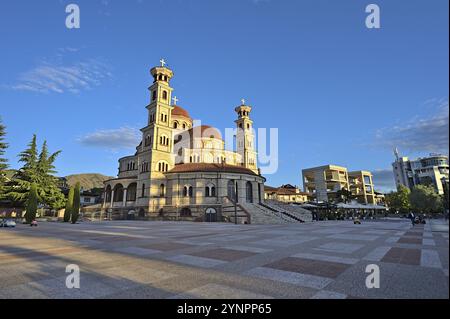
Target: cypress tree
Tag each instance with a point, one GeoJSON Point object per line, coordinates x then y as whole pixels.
{"type": "Point", "coordinates": [32, 204]}
{"type": "Point", "coordinates": [76, 204]}
{"type": "Point", "coordinates": [69, 205]}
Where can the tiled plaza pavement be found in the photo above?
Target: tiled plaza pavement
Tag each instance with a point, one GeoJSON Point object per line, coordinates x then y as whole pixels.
{"type": "Point", "coordinates": [131, 259]}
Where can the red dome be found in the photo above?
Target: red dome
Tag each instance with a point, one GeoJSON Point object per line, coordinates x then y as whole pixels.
{"type": "Point", "coordinates": [179, 111]}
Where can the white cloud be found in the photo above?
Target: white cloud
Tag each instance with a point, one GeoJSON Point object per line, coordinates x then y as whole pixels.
{"type": "Point", "coordinates": [57, 77]}
{"type": "Point", "coordinates": [429, 134]}
{"type": "Point", "coordinates": [112, 139]}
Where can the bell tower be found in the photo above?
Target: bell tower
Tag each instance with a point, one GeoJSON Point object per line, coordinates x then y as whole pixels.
{"type": "Point", "coordinates": [245, 138]}
{"type": "Point", "coordinates": [156, 153]}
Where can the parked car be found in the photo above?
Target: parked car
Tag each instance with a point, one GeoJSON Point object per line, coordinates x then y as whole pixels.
{"type": "Point", "coordinates": [34, 223]}
{"type": "Point", "coordinates": [357, 221]}
{"type": "Point", "coordinates": [8, 223]}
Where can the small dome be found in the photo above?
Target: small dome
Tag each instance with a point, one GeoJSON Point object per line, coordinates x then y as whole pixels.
{"type": "Point", "coordinates": [179, 111]}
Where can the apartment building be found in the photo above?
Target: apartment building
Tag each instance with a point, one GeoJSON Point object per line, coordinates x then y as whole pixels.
{"type": "Point", "coordinates": [430, 170]}
{"type": "Point", "coordinates": [324, 182]}
{"type": "Point", "coordinates": [361, 186]}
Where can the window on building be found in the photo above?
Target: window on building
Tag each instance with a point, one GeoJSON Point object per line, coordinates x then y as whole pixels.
{"type": "Point", "coordinates": [175, 125]}
{"type": "Point", "coordinates": [162, 190]}
{"type": "Point", "coordinates": [210, 190]}
{"type": "Point", "coordinates": [163, 166]}
{"type": "Point", "coordinates": [143, 190]}
{"type": "Point", "coordinates": [153, 95]}
{"type": "Point", "coordinates": [164, 96]}
{"type": "Point", "coordinates": [187, 191]}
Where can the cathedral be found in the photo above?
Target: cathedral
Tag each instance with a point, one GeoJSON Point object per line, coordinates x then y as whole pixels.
{"type": "Point", "coordinates": [183, 172]}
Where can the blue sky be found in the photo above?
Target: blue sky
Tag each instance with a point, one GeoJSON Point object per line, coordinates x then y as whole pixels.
{"type": "Point", "coordinates": [337, 91]}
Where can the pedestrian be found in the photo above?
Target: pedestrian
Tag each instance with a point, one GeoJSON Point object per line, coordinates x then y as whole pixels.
{"type": "Point", "coordinates": [412, 217]}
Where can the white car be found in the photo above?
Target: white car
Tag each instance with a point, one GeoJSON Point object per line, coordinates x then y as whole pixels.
{"type": "Point", "coordinates": [8, 223]}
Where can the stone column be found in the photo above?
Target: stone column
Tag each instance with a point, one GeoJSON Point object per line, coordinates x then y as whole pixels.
{"type": "Point", "coordinates": [104, 198]}
{"type": "Point", "coordinates": [124, 202]}
{"type": "Point", "coordinates": [255, 193]}
{"type": "Point", "coordinates": [112, 198]}
{"type": "Point", "coordinates": [241, 191]}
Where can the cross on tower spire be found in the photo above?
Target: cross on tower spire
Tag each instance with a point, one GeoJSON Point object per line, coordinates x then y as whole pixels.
{"type": "Point", "coordinates": [243, 101]}
{"type": "Point", "coordinates": [175, 100]}
{"type": "Point", "coordinates": [163, 62]}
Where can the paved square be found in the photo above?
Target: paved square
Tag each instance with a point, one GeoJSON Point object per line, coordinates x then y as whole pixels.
{"type": "Point", "coordinates": [132, 259]}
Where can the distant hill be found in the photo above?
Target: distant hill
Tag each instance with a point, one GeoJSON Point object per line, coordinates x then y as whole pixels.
{"type": "Point", "coordinates": [87, 181]}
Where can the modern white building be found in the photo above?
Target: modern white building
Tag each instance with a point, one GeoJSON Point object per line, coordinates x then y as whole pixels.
{"type": "Point", "coordinates": [430, 170]}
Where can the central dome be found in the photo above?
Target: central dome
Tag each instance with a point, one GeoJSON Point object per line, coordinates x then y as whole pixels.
{"type": "Point", "coordinates": [179, 111]}
{"type": "Point", "coordinates": [205, 131]}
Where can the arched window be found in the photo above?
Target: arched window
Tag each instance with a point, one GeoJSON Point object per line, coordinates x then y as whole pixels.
{"type": "Point", "coordinates": [164, 95]}
{"type": "Point", "coordinates": [184, 126]}
{"type": "Point", "coordinates": [131, 192]}
{"type": "Point", "coordinates": [153, 95]}
{"type": "Point", "coordinates": [175, 124]}
{"type": "Point", "coordinates": [118, 193]}
{"type": "Point", "coordinates": [148, 140]}
{"type": "Point", "coordinates": [187, 191]}
{"type": "Point", "coordinates": [231, 190]}
{"type": "Point", "coordinates": [210, 190]}
{"type": "Point", "coordinates": [108, 194]}
{"type": "Point", "coordinates": [162, 190]}
{"type": "Point", "coordinates": [162, 166]}
{"type": "Point", "coordinates": [249, 192]}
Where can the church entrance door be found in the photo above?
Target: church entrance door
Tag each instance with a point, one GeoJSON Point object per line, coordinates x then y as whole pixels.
{"type": "Point", "coordinates": [211, 215]}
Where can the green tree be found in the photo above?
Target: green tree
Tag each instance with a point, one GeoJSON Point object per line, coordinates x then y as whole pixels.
{"type": "Point", "coordinates": [445, 196]}
{"type": "Point", "coordinates": [344, 195]}
{"type": "Point", "coordinates": [399, 200]}
{"type": "Point", "coordinates": [38, 168]}
{"type": "Point", "coordinates": [3, 161]}
{"type": "Point", "coordinates": [76, 204]}
{"type": "Point", "coordinates": [32, 204]}
{"type": "Point", "coordinates": [425, 199]}
{"type": "Point", "coordinates": [69, 205]}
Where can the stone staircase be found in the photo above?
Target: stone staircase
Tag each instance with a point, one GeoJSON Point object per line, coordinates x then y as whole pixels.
{"type": "Point", "coordinates": [294, 211]}
{"type": "Point", "coordinates": [229, 212]}
{"type": "Point", "coordinates": [261, 215]}
{"type": "Point", "coordinates": [252, 213]}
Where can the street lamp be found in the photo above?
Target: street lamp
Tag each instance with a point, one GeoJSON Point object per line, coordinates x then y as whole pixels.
{"type": "Point", "coordinates": [235, 200]}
